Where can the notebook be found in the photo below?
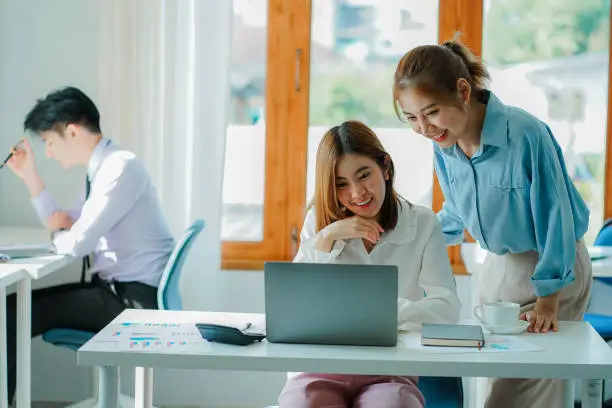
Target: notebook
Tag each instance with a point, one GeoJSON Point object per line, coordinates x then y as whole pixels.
{"type": "Point", "coordinates": [452, 335]}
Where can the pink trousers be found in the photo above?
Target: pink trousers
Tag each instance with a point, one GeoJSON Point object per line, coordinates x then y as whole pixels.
{"type": "Point", "coordinates": [343, 391]}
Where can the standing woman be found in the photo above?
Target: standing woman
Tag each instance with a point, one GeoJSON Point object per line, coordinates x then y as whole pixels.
{"type": "Point", "coordinates": [504, 180]}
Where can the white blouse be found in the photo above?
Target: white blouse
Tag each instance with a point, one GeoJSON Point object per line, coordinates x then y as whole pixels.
{"type": "Point", "coordinates": [427, 288]}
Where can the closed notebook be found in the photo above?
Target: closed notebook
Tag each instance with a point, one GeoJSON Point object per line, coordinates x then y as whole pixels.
{"type": "Point", "coordinates": [452, 335]}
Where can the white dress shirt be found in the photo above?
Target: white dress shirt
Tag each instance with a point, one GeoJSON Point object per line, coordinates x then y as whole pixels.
{"type": "Point", "coordinates": [427, 289]}
{"type": "Point", "coordinates": [121, 222]}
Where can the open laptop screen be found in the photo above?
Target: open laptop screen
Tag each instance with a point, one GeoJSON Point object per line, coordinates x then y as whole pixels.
{"type": "Point", "coordinates": [331, 303]}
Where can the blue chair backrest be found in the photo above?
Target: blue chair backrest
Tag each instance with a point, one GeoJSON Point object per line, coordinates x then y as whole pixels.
{"type": "Point", "coordinates": [168, 294]}
{"type": "Point", "coordinates": [442, 392]}
{"type": "Point", "coordinates": [604, 238]}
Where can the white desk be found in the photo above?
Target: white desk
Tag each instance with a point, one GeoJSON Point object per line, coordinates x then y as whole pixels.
{"type": "Point", "coordinates": [22, 271]}
{"type": "Point", "coordinates": [590, 358]}
{"type": "Point", "coordinates": [38, 267]}
{"type": "Point", "coordinates": [602, 268]}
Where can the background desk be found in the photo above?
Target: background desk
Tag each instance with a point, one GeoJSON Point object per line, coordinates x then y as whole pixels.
{"type": "Point", "coordinates": [22, 271]}
{"type": "Point", "coordinates": [602, 268]}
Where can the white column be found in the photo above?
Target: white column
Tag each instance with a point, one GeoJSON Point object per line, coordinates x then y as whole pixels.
{"type": "Point", "coordinates": [109, 387]}
{"type": "Point", "coordinates": [568, 394]}
{"type": "Point", "coordinates": [3, 347]}
{"type": "Point", "coordinates": [143, 387]}
{"type": "Point", "coordinates": [592, 393]}
{"type": "Point", "coordinates": [24, 342]}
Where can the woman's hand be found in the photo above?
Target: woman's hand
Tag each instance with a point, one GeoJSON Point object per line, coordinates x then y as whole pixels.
{"type": "Point", "coordinates": [348, 228]}
{"type": "Point", "coordinates": [543, 317]}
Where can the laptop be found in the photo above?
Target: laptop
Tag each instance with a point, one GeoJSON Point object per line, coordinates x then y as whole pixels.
{"type": "Point", "coordinates": [26, 251]}
{"type": "Point", "coordinates": [308, 303]}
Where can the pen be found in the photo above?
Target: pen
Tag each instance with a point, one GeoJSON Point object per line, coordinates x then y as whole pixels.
{"type": "Point", "coordinates": [11, 154]}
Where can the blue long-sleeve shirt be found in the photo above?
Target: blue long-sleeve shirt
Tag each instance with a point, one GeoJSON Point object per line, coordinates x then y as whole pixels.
{"type": "Point", "coordinates": [514, 195]}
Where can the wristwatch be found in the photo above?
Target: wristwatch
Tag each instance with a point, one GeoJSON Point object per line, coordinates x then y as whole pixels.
{"type": "Point", "coordinates": [55, 232]}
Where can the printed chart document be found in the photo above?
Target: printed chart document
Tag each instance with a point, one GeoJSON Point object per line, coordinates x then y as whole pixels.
{"type": "Point", "coordinates": [153, 337]}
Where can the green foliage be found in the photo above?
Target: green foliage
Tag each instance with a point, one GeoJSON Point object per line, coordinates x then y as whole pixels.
{"type": "Point", "coordinates": [350, 92]}
{"type": "Point", "coordinates": [528, 30]}
{"type": "Point", "coordinates": [515, 31]}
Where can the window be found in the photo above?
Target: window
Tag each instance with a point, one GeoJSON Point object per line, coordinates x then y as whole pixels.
{"type": "Point", "coordinates": [244, 179]}
{"type": "Point", "coordinates": [282, 103]}
{"type": "Point", "coordinates": [262, 203]}
{"type": "Point", "coordinates": [354, 82]}
{"type": "Point", "coordinates": [557, 70]}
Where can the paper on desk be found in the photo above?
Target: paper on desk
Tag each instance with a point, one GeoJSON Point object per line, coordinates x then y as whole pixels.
{"type": "Point", "coordinates": [152, 337]}
{"type": "Point", "coordinates": [151, 325]}
{"type": "Point", "coordinates": [493, 344]}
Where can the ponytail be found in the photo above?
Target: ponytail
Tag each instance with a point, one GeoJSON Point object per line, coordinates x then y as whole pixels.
{"type": "Point", "coordinates": [476, 68]}
{"type": "Point", "coordinates": [436, 69]}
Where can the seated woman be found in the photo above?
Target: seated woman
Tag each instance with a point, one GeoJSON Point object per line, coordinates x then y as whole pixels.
{"type": "Point", "coordinates": [357, 217]}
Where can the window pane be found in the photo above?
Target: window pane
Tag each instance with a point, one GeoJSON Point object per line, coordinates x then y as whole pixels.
{"type": "Point", "coordinates": [355, 48]}
{"type": "Point", "coordinates": [244, 176]}
{"type": "Point", "coordinates": [550, 57]}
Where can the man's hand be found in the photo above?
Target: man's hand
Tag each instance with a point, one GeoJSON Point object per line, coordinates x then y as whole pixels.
{"type": "Point", "coordinates": [59, 220]}
{"type": "Point", "coordinates": [544, 316]}
{"type": "Point", "coordinates": [22, 163]}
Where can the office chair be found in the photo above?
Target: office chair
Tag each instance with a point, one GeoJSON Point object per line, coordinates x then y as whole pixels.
{"type": "Point", "coordinates": [603, 323]}
{"type": "Point", "coordinates": [168, 298]}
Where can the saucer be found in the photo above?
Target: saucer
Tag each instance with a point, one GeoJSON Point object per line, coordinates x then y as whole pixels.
{"type": "Point", "coordinates": [516, 329]}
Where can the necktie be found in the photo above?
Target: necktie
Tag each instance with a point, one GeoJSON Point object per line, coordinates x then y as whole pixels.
{"type": "Point", "coordinates": [86, 262]}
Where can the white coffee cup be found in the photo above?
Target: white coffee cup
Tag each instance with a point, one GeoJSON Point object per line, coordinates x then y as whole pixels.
{"type": "Point", "coordinates": [498, 313]}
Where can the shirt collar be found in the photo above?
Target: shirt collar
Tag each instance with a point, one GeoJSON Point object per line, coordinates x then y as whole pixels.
{"type": "Point", "coordinates": [406, 228]}
{"type": "Point", "coordinates": [97, 156]}
{"type": "Point", "coordinates": [495, 127]}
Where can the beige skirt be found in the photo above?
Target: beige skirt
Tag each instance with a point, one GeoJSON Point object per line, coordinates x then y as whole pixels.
{"type": "Point", "coordinates": [508, 278]}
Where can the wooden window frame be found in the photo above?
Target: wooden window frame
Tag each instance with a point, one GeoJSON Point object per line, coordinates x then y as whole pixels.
{"type": "Point", "coordinates": [287, 86]}
{"type": "Point", "coordinates": [287, 107]}
{"type": "Point", "coordinates": [608, 163]}
{"type": "Point", "coordinates": [464, 17]}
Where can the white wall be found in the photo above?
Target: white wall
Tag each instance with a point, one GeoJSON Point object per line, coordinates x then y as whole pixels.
{"type": "Point", "coordinates": [43, 45]}
{"type": "Point", "coordinates": [47, 44]}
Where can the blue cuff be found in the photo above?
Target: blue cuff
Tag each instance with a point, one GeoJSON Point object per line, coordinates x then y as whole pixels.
{"type": "Point", "coordinates": [545, 287]}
